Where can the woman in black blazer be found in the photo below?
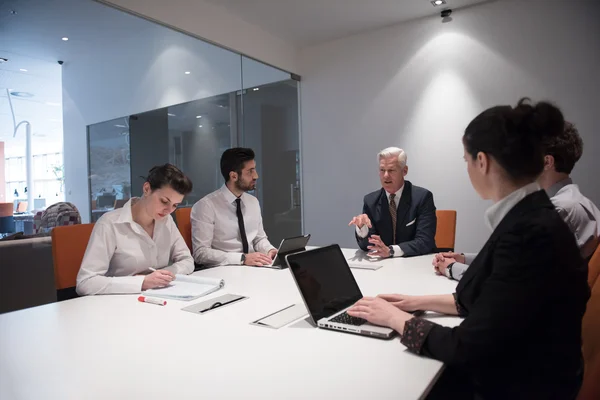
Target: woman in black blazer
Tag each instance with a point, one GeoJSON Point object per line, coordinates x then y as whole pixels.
{"type": "Point", "coordinates": [524, 295]}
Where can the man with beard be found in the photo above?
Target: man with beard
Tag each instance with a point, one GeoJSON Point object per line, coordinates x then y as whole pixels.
{"type": "Point", "coordinates": [227, 226]}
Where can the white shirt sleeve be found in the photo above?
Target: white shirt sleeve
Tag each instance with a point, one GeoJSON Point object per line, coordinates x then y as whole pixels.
{"type": "Point", "coordinates": [469, 257]}
{"type": "Point", "coordinates": [362, 232]}
{"type": "Point", "coordinates": [181, 258]}
{"type": "Point", "coordinates": [397, 251]}
{"type": "Point", "coordinates": [203, 227]}
{"type": "Point", "coordinates": [92, 278]}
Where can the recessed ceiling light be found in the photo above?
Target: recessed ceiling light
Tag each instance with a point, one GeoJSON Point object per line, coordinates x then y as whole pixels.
{"type": "Point", "coordinates": [22, 70]}
{"type": "Point", "coordinates": [120, 126]}
{"type": "Point", "coordinates": [255, 89]}
{"type": "Point", "coordinates": [50, 103]}
{"type": "Point", "coordinates": [65, 39]}
{"type": "Point", "coordinates": [171, 115]}
{"type": "Point", "coordinates": [198, 116]}
{"type": "Point", "coordinates": [199, 126]}
{"type": "Point", "coordinates": [438, 2]}
{"type": "Point", "coordinates": [187, 72]}
{"type": "Point", "coordinates": [21, 94]}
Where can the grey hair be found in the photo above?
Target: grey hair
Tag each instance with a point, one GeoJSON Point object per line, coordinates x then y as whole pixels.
{"type": "Point", "coordinates": [391, 152]}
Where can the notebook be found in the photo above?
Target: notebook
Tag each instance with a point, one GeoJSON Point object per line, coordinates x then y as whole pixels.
{"type": "Point", "coordinates": [187, 288]}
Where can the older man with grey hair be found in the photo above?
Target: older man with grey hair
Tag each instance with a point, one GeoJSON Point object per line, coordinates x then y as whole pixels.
{"type": "Point", "coordinates": [399, 219]}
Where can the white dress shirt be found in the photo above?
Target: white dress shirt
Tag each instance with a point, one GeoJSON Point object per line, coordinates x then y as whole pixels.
{"type": "Point", "coordinates": [582, 216]}
{"type": "Point", "coordinates": [119, 249]}
{"type": "Point", "coordinates": [364, 231]}
{"type": "Point", "coordinates": [216, 238]}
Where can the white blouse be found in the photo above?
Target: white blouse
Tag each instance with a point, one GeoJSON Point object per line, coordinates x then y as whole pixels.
{"type": "Point", "coordinates": [119, 249]}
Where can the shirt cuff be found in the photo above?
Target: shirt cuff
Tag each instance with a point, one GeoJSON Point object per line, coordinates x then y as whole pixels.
{"type": "Point", "coordinates": [469, 257]}
{"type": "Point", "coordinates": [415, 333]}
{"type": "Point", "coordinates": [234, 258]}
{"type": "Point", "coordinates": [397, 251]}
{"type": "Point", "coordinates": [362, 232]}
{"type": "Point", "coordinates": [461, 311]}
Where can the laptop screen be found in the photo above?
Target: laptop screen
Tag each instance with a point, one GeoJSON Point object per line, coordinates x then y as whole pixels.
{"type": "Point", "coordinates": [325, 280]}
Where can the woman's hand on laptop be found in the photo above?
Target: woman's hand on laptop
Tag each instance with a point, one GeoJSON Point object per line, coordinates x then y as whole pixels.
{"type": "Point", "coordinates": [380, 312]}
{"type": "Point", "coordinates": [403, 302]}
{"type": "Point", "coordinates": [272, 253]}
{"type": "Point", "coordinates": [257, 259]}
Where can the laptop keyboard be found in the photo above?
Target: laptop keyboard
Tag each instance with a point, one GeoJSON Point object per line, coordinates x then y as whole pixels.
{"type": "Point", "coordinates": [344, 318]}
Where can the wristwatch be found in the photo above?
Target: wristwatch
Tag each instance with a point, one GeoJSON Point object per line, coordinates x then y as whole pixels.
{"type": "Point", "coordinates": [449, 271]}
{"type": "Point", "coordinates": [243, 258]}
{"type": "Point", "coordinates": [391, 251]}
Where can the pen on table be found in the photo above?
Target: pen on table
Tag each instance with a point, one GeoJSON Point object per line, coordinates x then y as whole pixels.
{"type": "Point", "coordinates": [151, 300]}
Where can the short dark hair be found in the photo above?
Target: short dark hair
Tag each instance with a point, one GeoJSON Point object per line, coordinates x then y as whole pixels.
{"type": "Point", "coordinates": [513, 136]}
{"type": "Point", "coordinates": [566, 148]}
{"type": "Point", "coordinates": [169, 175]}
{"type": "Point", "coordinates": [235, 159]}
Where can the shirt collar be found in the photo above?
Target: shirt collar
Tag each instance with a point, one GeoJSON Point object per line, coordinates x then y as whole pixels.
{"type": "Point", "coordinates": [398, 195]}
{"type": "Point", "coordinates": [126, 215]}
{"type": "Point", "coordinates": [552, 190]}
{"type": "Point", "coordinates": [230, 197]}
{"type": "Point", "coordinates": [496, 213]}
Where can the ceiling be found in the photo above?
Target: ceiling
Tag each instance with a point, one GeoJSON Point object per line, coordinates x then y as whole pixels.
{"type": "Point", "coordinates": [308, 22]}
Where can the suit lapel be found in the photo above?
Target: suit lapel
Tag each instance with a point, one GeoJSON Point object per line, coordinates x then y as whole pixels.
{"type": "Point", "coordinates": [533, 201]}
{"type": "Point", "coordinates": [403, 207]}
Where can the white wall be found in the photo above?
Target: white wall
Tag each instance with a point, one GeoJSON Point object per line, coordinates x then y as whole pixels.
{"type": "Point", "coordinates": [141, 73]}
{"type": "Point", "coordinates": [418, 85]}
{"type": "Point", "coordinates": [217, 25]}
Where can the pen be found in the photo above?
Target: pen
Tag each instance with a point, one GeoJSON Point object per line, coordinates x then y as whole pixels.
{"type": "Point", "coordinates": [150, 300]}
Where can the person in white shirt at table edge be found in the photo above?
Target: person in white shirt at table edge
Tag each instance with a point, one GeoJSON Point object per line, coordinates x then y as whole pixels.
{"type": "Point", "coordinates": [227, 227]}
{"type": "Point", "coordinates": [129, 243]}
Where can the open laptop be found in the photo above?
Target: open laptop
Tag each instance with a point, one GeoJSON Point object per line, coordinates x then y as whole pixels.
{"type": "Point", "coordinates": [328, 289]}
{"type": "Point", "coordinates": [288, 246]}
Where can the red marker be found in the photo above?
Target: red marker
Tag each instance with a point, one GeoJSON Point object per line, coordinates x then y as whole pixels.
{"type": "Point", "coordinates": [150, 300]}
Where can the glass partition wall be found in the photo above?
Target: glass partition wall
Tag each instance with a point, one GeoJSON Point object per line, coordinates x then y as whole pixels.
{"type": "Point", "coordinates": [190, 102]}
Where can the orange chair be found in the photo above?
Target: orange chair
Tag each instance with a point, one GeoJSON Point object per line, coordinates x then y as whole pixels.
{"type": "Point", "coordinates": [591, 334]}
{"type": "Point", "coordinates": [68, 248]}
{"type": "Point", "coordinates": [184, 224]}
{"type": "Point", "coordinates": [22, 206]}
{"type": "Point", "coordinates": [445, 234]}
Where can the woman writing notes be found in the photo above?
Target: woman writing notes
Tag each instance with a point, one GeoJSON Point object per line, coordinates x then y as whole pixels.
{"type": "Point", "coordinates": [128, 243]}
{"type": "Point", "coordinates": [524, 295]}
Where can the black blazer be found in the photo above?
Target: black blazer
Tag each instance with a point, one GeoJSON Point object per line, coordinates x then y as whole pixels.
{"type": "Point", "coordinates": [415, 221]}
{"type": "Point", "coordinates": [524, 297]}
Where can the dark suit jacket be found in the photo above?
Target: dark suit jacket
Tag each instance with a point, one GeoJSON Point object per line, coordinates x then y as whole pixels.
{"type": "Point", "coordinates": [416, 204]}
{"type": "Point", "coordinates": [523, 297]}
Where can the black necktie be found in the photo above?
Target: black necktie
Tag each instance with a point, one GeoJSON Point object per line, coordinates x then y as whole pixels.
{"type": "Point", "coordinates": [238, 211]}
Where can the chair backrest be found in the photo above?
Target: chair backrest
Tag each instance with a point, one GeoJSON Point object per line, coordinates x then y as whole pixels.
{"type": "Point", "coordinates": [120, 203]}
{"type": "Point", "coordinates": [594, 268]}
{"type": "Point", "coordinates": [445, 234]}
{"type": "Point", "coordinates": [6, 209]}
{"type": "Point", "coordinates": [590, 333]}
{"type": "Point", "coordinates": [184, 224]}
{"type": "Point", "coordinates": [22, 206]}
{"type": "Point", "coordinates": [68, 248]}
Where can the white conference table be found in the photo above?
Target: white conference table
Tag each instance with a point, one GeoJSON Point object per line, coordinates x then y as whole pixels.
{"type": "Point", "coordinates": [114, 347]}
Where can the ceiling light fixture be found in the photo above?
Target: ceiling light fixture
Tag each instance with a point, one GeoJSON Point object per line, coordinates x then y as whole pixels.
{"type": "Point", "coordinates": [198, 116]}
{"type": "Point", "coordinates": [120, 126]}
{"type": "Point", "coordinates": [22, 70]}
{"type": "Point", "coordinates": [255, 89]}
{"type": "Point", "coordinates": [199, 126]}
{"type": "Point", "coordinates": [65, 39]}
{"type": "Point", "coordinates": [187, 72]}
{"type": "Point", "coordinates": [438, 2]}
{"type": "Point", "coordinates": [171, 115]}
